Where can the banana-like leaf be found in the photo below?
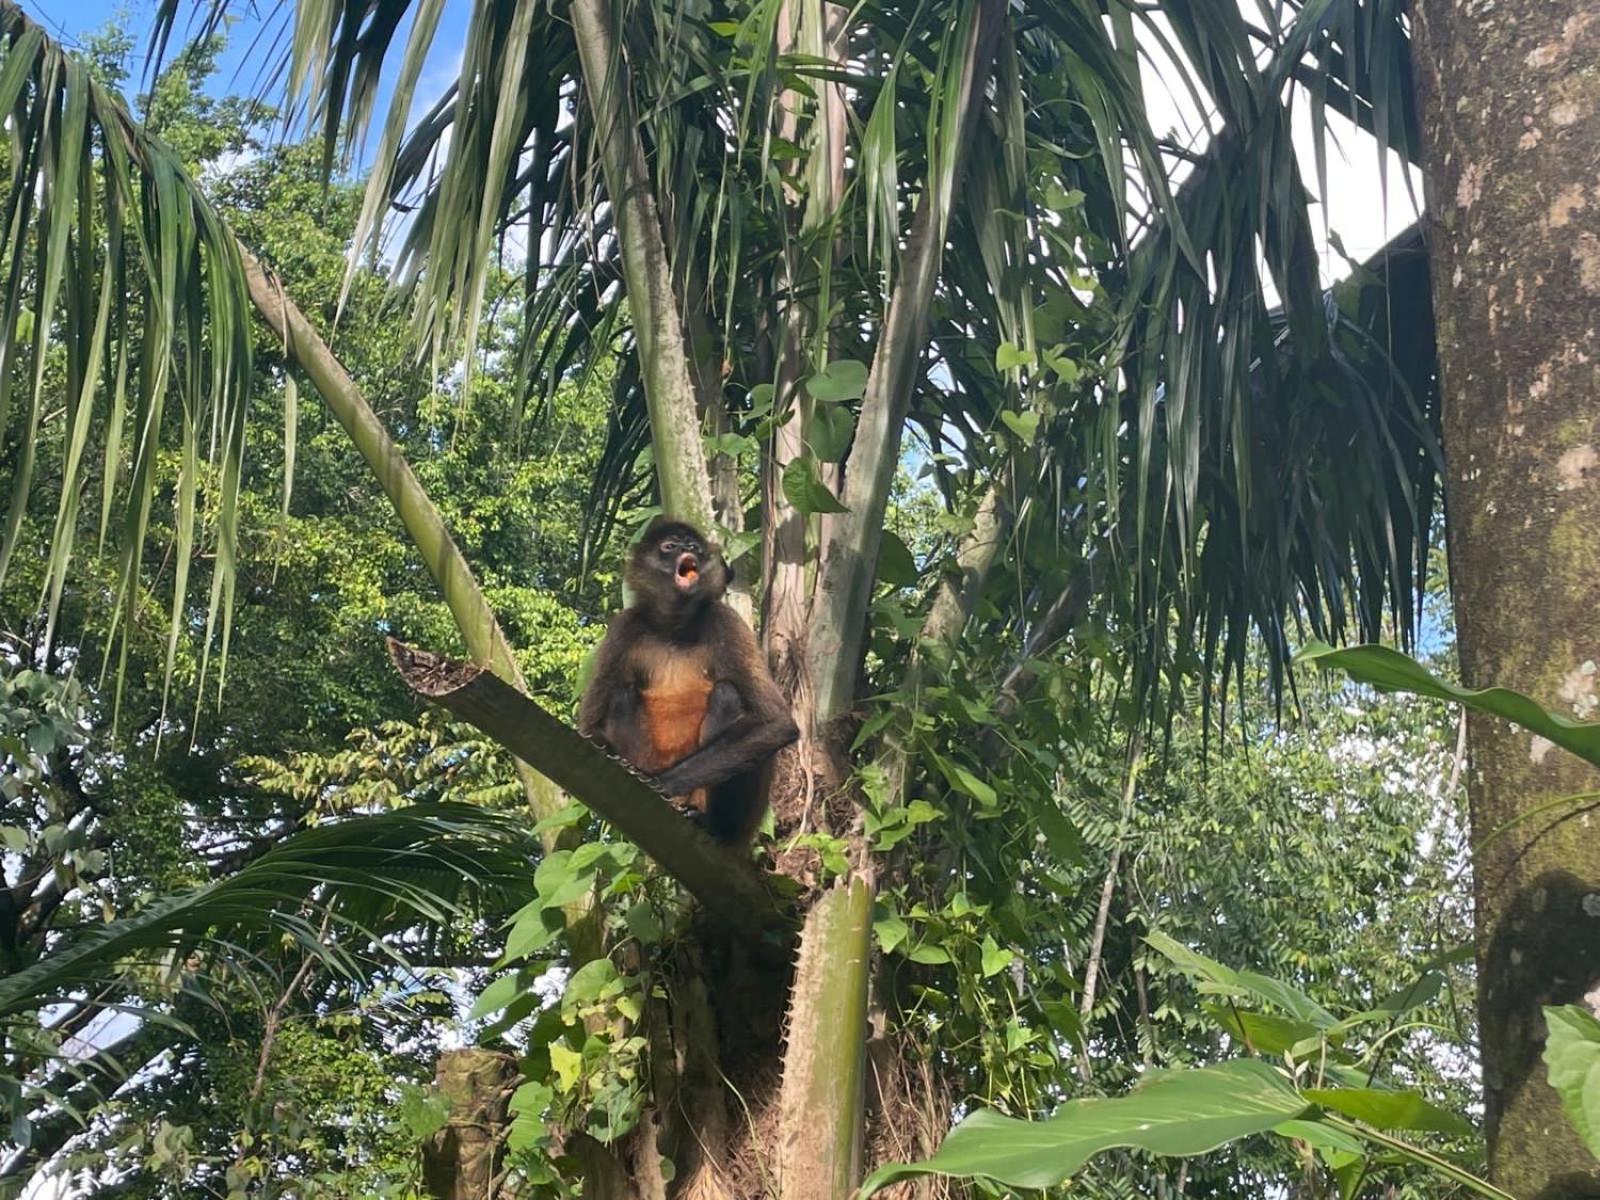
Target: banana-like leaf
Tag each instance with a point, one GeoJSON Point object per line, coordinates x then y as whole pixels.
{"type": "Point", "coordinates": [1392, 671]}
{"type": "Point", "coordinates": [1178, 1114]}
{"type": "Point", "coordinates": [1175, 1113]}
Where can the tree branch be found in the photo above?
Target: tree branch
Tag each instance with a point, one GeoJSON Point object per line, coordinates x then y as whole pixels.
{"type": "Point", "coordinates": [726, 886]}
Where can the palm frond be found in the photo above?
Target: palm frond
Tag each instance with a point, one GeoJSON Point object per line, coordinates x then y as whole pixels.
{"type": "Point", "coordinates": [1204, 443]}
{"type": "Point", "coordinates": [1282, 443]}
{"type": "Point", "coordinates": [114, 261]}
{"type": "Point", "coordinates": [331, 890]}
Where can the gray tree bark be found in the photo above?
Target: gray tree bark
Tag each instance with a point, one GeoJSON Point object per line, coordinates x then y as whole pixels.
{"type": "Point", "coordinates": [1510, 96]}
{"type": "Point", "coordinates": [463, 1160]}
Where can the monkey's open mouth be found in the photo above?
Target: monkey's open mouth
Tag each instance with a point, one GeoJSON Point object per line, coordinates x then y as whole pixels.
{"type": "Point", "coordinates": [688, 571]}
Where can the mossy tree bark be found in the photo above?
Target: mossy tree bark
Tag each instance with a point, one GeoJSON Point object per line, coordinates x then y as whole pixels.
{"type": "Point", "coordinates": [462, 1161]}
{"type": "Point", "coordinates": [1511, 110]}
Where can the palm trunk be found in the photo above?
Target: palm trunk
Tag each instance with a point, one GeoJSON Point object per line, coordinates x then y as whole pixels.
{"type": "Point", "coordinates": [818, 29]}
{"type": "Point", "coordinates": [844, 585]}
{"type": "Point", "coordinates": [1511, 133]}
{"type": "Point", "coordinates": [657, 324]}
{"type": "Point", "coordinates": [821, 1115]}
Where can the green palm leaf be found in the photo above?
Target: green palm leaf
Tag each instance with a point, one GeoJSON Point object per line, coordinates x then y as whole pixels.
{"type": "Point", "coordinates": [113, 259]}
{"type": "Point", "coordinates": [427, 865]}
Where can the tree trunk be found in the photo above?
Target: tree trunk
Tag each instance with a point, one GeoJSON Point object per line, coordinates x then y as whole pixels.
{"type": "Point", "coordinates": [1511, 116]}
{"type": "Point", "coordinates": [657, 324]}
{"type": "Point", "coordinates": [463, 1160]}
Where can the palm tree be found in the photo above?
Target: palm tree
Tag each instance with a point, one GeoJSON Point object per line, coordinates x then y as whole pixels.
{"type": "Point", "coordinates": [813, 232]}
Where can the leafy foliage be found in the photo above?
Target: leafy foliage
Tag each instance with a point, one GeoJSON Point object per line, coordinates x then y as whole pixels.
{"type": "Point", "coordinates": [1188, 1112]}
{"type": "Point", "coordinates": [122, 287]}
{"type": "Point", "coordinates": [1573, 1057]}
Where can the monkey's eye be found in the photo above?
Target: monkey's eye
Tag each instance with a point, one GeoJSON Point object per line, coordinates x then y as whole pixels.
{"type": "Point", "coordinates": [669, 547]}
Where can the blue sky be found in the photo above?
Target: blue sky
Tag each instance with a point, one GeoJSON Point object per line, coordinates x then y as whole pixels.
{"type": "Point", "coordinates": [251, 41]}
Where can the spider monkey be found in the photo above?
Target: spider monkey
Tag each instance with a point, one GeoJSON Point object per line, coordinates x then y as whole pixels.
{"type": "Point", "coordinates": [680, 688]}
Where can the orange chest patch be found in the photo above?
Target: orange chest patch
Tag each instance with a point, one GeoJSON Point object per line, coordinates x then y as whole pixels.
{"type": "Point", "coordinates": [675, 703]}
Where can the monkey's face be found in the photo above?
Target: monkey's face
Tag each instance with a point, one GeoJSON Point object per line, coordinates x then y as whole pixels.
{"type": "Point", "coordinates": [676, 568]}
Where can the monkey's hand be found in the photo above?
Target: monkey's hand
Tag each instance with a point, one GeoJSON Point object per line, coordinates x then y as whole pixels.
{"type": "Point", "coordinates": [685, 777]}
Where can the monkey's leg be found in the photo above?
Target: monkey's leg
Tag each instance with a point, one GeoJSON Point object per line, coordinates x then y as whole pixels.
{"type": "Point", "coordinates": [734, 809]}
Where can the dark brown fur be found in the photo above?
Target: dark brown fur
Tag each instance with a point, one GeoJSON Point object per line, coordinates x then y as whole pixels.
{"type": "Point", "coordinates": [681, 689]}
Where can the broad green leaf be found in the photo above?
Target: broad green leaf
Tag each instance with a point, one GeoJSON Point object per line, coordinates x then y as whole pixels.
{"type": "Point", "coordinates": [1176, 1114]}
{"type": "Point", "coordinates": [1391, 671]}
{"type": "Point", "coordinates": [734, 445]}
{"type": "Point", "coordinates": [567, 1063]}
{"type": "Point", "coordinates": [423, 1111]}
{"type": "Point", "coordinates": [804, 489]}
{"type": "Point", "coordinates": [496, 996]}
{"type": "Point", "coordinates": [1321, 1135]}
{"type": "Point", "coordinates": [562, 818]}
{"type": "Point", "coordinates": [1415, 994]}
{"type": "Point", "coordinates": [996, 958]}
{"type": "Point", "coordinates": [590, 982]}
{"type": "Point", "coordinates": [552, 872]}
{"type": "Point", "coordinates": [761, 399]}
{"type": "Point", "coordinates": [1066, 369]}
{"type": "Point", "coordinates": [528, 1104]}
{"type": "Point", "coordinates": [1060, 834]}
{"type": "Point", "coordinates": [1263, 1033]}
{"type": "Point", "coordinates": [838, 381]}
{"type": "Point", "coordinates": [1220, 980]}
{"type": "Point", "coordinates": [643, 923]}
{"type": "Point", "coordinates": [830, 431]}
{"type": "Point", "coordinates": [973, 786]}
{"type": "Point", "coordinates": [736, 545]}
{"type": "Point", "coordinates": [1025, 426]}
{"type": "Point", "coordinates": [1065, 1019]}
{"type": "Point", "coordinates": [1060, 199]}
{"type": "Point", "coordinates": [892, 932]}
{"type": "Point", "coordinates": [534, 928]}
{"type": "Point", "coordinates": [1009, 357]}
{"type": "Point", "coordinates": [1572, 1056]}
{"type": "Point", "coordinates": [1389, 1110]}
{"type": "Point", "coordinates": [896, 566]}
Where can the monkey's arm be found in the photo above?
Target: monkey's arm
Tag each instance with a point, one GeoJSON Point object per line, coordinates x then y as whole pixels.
{"type": "Point", "coordinates": [609, 712]}
{"type": "Point", "coordinates": [747, 720]}
{"type": "Point", "coordinates": [596, 700]}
